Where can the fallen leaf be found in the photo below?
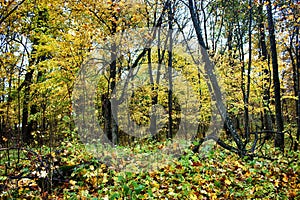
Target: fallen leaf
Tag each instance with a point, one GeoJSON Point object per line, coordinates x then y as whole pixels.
{"type": "Point", "coordinates": [227, 182]}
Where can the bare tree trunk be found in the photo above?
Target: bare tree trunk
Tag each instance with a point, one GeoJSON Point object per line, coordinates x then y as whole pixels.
{"type": "Point", "coordinates": [213, 84]}
{"type": "Point", "coordinates": [267, 121]}
{"type": "Point", "coordinates": [26, 132]}
{"type": "Point", "coordinates": [297, 87]}
{"type": "Point", "coordinates": [247, 92]}
{"type": "Point", "coordinates": [106, 113]}
{"type": "Point", "coordinates": [111, 113]}
{"type": "Point", "coordinates": [170, 60]}
{"type": "Point", "coordinates": [153, 120]}
{"type": "Point", "coordinates": [279, 138]}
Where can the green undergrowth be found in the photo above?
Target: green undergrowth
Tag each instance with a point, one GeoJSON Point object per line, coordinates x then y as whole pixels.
{"type": "Point", "coordinates": [70, 172]}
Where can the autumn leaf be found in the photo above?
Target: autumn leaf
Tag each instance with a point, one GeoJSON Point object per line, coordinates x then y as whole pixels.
{"type": "Point", "coordinates": [227, 182]}
{"type": "Point", "coordinates": [72, 182]}
{"type": "Point", "coordinates": [285, 178]}
{"type": "Point", "coordinates": [193, 196]}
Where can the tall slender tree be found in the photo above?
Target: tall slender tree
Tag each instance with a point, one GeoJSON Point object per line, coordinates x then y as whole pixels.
{"type": "Point", "coordinates": [279, 138]}
{"type": "Point", "coordinates": [215, 89]}
{"type": "Point", "coordinates": [267, 121]}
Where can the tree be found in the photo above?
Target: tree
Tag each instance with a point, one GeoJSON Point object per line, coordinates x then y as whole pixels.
{"type": "Point", "coordinates": [170, 61]}
{"type": "Point", "coordinates": [279, 138]}
{"type": "Point", "coordinates": [214, 87]}
{"type": "Point", "coordinates": [267, 121]}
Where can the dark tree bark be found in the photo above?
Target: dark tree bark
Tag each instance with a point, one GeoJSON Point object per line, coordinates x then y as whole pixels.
{"type": "Point", "coordinates": [279, 138]}
{"type": "Point", "coordinates": [170, 60]}
{"type": "Point", "coordinates": [298, 101]}
{"type": "Point", "coordinates": [154, 97]}
{"type": "Point", "coordinates": [26, 132]}
{"type": "Point", "coordinates": [213, 84]}
{"type": "Point", "coordinates": [109, 112]}
{"type": "Point", "coordinates": [106, 113]}
{"type": "Point", "coordinates": [247, 92]}
{"type": "Point", "coordinates": [296, 74]}
{"type": "Point", "coordinates": [114, 110]}
{"type": "Point", "coordinates": [27, 127]}
{"type": "Point", "coordinates": [267, 120]}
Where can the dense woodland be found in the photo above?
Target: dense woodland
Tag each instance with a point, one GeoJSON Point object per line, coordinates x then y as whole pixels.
{"type": "Point", "coordinates": [240, 61]}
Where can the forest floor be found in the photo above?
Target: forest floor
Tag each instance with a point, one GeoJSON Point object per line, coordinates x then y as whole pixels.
{"type": "Point", "coordinates": [73, 173]}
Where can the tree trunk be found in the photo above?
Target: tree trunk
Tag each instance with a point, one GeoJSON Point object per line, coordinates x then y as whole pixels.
{"type": "Point", "coordinates": [247, 92]}
{"type": "Point", "coordinates": [111, 113]}
{"type": "Point", "coordinates": [279, 138]}
{"type": "Point", "coordinates": [106, 113]}
{"type": "Point", "coordinates": [153, 119]}
{"type": "Point", "coordinates": [297, 87]}
{"type": "Point", "coordinates": [26, 132]}
{"type": "Point", "coordinates": [267, 120]}
{"type": "Point", "coordinates": [170, 58]}
{"type": "Point", "coordinates": [213, 83]}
